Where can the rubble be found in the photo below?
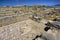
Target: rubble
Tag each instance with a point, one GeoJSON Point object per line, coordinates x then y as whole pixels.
{"type": "Point", "coordinates": [28, 23]}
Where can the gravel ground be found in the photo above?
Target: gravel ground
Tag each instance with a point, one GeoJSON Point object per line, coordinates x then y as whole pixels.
{"type": "Point", "coordinates": [25, 30]}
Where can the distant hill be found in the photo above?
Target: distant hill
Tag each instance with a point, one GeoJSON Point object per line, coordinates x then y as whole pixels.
{"type": "Point", "coordinates": [57, 5]}
{"type": "Point", "coordinates": [33, 6]}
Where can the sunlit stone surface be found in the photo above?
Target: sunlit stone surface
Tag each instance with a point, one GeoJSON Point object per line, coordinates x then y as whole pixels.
{"type": "Point", "coordinates": [24, 30]}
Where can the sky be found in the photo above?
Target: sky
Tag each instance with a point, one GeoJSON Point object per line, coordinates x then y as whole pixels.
{"type": "Point", "coordinates": [28, 2]}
